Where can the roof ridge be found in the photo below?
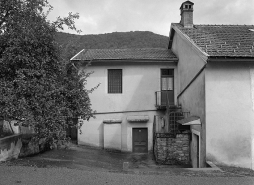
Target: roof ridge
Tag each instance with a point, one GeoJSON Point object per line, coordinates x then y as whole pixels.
{"type": "Point", "coordinates": [218, 24]}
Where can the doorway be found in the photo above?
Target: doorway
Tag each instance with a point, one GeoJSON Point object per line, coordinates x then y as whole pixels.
{"type": "Point", "coordinates": [140, 140]}
{"type": "Point", "coordinates": [71, 129]}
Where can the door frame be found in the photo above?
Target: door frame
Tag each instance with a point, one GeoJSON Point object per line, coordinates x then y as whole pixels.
{"type": "Point", "coordinates": [133, 137]}
{"type": "Point", "coordinates": [196, 138]}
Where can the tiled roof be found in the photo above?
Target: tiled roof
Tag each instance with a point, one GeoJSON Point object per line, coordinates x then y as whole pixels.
{"type": "Point", "coordinates": [222, 40]}
{"type": "Point", "coordinates": [125, 54]}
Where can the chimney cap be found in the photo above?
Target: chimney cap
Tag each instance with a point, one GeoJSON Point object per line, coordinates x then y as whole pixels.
{"type": "Point", "coordinates": [186, 2]}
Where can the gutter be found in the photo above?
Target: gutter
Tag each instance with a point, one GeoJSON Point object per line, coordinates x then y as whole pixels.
{"type": "Point", "coordinates": [130, 60]}
{"type": "Point", "coordinates": [230, 59]}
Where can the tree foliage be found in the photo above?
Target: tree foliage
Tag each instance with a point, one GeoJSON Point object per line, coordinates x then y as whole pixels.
{"type": "Point", "coordinates": [36, 87]}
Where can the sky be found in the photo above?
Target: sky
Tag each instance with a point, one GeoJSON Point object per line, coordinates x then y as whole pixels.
{"type": "Point", "coordinates": [107, 16]}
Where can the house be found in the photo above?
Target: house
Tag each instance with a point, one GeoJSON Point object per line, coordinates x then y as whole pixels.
{"type": "Point", "coordinates": [215, 73]}
{"type": "Point", "coordinates": [132, 90]}
{"type": "Point", "coordinates": [207, 70]}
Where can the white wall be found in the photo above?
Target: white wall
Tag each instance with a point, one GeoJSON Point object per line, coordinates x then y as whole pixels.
{"type": "Point", "coordinates": [229, 117]}
{"type": "Point", "coordinates": [140, 82]}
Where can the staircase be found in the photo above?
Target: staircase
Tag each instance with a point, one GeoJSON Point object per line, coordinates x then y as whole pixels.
{"type": "Point", "coordinates": [167, 124]}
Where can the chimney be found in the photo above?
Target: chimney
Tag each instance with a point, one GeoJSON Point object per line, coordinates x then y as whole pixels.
{"type": "Point", "coordinates": [187, 14]}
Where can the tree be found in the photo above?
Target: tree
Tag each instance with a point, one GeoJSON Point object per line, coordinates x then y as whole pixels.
{"type": "Point", "coordinates": [36, 87]}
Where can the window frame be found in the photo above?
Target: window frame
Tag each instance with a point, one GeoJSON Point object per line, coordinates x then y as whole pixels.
{"type": "Point", "coordinates": [114, 88]}
{"type": "Point", "coordinates": [170, 73]}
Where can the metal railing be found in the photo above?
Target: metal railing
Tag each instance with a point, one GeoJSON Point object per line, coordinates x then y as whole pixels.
{"type": "Point", "coordinates": [164, 98]}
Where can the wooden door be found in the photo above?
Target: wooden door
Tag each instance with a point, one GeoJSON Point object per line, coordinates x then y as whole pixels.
{"type": "Point", "coordinates": [140, 140]}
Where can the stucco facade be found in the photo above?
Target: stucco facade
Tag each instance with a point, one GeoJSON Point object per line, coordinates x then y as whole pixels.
{"type": "Point", "coordinates": [112, 128]}
{"type": "Point", "coordinates": [229, 113]}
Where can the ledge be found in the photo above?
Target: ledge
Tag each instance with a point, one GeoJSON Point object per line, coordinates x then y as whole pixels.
{"type": "Point", "coordinates": [112, 121]}
{"type": "Point", "coordinates": [139, 119]}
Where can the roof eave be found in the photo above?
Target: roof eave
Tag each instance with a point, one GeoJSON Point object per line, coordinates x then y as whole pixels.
{"type": "Point", "coordinates": [123, 60]}
{"type": "Point", "coordinates": [171, 36]}
{"type": "Point", "coordinates": [230, 59]}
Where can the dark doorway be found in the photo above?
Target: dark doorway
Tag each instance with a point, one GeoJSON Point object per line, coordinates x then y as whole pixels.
{"type": "Point", "coordinates": [71, 129]}
{"type": "Point", "coordinates": [140, 140]}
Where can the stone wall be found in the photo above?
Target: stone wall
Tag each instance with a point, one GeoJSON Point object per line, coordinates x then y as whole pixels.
{"type": "Point", "coordinates": [168, 150]}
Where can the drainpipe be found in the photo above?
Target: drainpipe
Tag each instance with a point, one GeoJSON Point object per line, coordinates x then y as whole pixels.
{"type": "Point", "coordinates": [195, 77]}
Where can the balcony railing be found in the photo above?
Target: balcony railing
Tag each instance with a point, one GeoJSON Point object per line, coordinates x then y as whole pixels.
{"type": "Point", "coordinates": [164, 99]}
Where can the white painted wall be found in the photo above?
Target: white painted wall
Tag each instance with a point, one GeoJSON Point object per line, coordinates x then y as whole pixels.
{"type": "Point", "coordinates": [230, 115]}
{"type": "Point", "coordinates": [190, 63]}
{"type": "Point", "coordinates": [140, 82]}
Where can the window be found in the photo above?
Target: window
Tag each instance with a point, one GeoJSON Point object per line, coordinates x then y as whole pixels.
{"type": "Point", "coordinates": [167, 79]}
{"type": "Point", "coordinates": [114, 80]}
{"type": "Point", "coordinates": [167, 86]}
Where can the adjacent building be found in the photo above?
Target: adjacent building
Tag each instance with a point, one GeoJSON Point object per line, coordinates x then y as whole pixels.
{"type": "Point", "coordinates": [215, 75]}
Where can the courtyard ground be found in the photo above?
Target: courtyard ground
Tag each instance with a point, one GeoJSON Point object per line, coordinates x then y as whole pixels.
{"type": "Point", "coordinates": [88, 165]}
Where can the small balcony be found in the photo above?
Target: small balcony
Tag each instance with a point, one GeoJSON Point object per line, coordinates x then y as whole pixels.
{"type": "Point", "coordinates": [164, 99]}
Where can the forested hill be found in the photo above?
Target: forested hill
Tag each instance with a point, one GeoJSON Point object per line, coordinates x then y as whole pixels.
{"type": "Point", "coordinates": [136, 39]}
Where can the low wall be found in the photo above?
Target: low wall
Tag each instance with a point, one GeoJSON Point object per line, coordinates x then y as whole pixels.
{"type": "Point", "coordinates": [20, 145]}
{"type": "Point", "coordinates": [168, 150]}
{"type": "Point", "coordinates": [10, 147]}
{"type": "Point", "coordinates": [30, 146]}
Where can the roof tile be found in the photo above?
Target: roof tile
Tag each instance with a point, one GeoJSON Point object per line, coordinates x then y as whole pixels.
{"type": "Point", "coordinates": [222, 40]}
{"type": "Point", "coordinates": [125, 54]}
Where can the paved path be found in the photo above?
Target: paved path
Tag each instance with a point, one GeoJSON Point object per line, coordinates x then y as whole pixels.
{"type": "Point", "coordinates": [86, 165]}
{"type": "Point", "coordinates": [10, 175]}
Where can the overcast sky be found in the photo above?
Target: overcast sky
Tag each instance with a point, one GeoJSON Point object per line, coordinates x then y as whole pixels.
{"type": "Point", "coordinates": [106, 16]}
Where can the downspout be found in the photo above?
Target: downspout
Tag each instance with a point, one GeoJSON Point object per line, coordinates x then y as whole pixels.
{"type": "Point", "coordinates": [195, 77]}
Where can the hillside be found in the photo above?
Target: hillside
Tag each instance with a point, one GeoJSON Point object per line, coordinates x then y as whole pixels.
{"type": "Point", "coordinates": [137, 39]}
